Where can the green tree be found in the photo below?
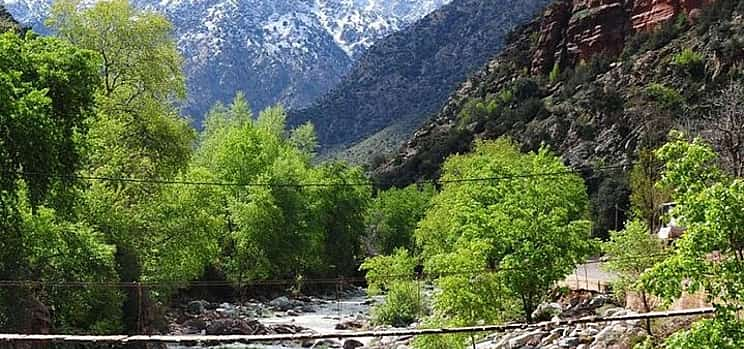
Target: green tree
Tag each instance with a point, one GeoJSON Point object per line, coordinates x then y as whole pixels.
{"type": "Point", "coordinates": [393, 216]}
{"type": "Point", "coordinates": [632, 252]}
{"type": "Point", "coordinates": [279, 228]}
{"type": "Point", "coordinates": [338, 214]}
{"type": "Point", "coordinates": [532, 230]}
{"type": "Point", "coordinates": [646, 198]}
{"type": "Point", "coordinates": [56, 250]}
{"type": "Point", "coordinates": [395, 275]}
{"type": "Point", "coordinates": [136, 132]}
{"type": "Point", "coordinates": [268, 225]}
{"type": "Point", "coordinates": [141, 67]}
{"type": "Point", "coordinates": [47, 89]}
{"type": "Point", "coordinates": [709, 257]}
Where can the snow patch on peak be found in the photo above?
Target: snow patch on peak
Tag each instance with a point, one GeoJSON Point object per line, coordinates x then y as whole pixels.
{"type": "Point", "coordinates": [289, 51]}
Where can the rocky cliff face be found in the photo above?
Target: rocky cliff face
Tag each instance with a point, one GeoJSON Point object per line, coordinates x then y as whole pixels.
{"type": "Point", "coordinates": [601, 112]}
{"type": "Point", "coordinates": [576, 30]}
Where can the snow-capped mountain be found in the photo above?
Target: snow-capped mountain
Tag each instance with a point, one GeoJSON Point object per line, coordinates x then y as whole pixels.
{"type": "Point", "coordinates": [288, 51]}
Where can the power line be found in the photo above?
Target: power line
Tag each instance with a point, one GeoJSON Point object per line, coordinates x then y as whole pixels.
{"type": "Point", "coordinates": [156, 181]}
{"type": "Point", "coordinates": [282, 282]}
{"type": "Point", "coordinates": [529, 175]}
{"type": "Point", "coordinates": [248, 339]}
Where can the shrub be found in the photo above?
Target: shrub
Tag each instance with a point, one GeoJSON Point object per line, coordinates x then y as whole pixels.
{"type": "Point", "coordinates": [445, 341]}
{"type": "Point", "coordinates": [380, 268]}
{"type": "Point", "coordinates": [666, 97]}
{"type": "Point", "coordinates": [525, 88]}
{"type": "Point", "coordinates": [690, 62]}
{"type": "Point", "coordinates": [584, 72]}
{"type": "Point", "coordinates": [403, 305]}
{"type": "Point", "coordinates": [555, 74]}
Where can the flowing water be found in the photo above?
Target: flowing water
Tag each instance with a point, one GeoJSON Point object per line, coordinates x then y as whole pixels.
{"type": "Point", "coordinates": [328, 314]}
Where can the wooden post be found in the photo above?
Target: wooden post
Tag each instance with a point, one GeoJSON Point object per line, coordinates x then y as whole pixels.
{"type": "Point", "coordinates": [418, 289]}
{"type": "Point", "coordinates": [338, 297]}
{"type": "Point", "coordinates": [139, 307]}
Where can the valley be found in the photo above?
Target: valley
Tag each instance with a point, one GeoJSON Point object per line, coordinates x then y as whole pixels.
{"type": "Point", "coordinates": [447, 174]}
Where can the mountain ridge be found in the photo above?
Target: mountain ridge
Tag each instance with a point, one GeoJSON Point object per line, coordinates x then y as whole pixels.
{"type": "Point", "coordinates": [276, 51]}
{"type": "Point", "coordinates": [407, 76]}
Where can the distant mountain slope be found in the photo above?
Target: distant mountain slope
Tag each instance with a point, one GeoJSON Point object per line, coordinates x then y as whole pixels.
{"type": "Point", "coordinates": [287, 51]}
{"type": "Point", "coordinates": [408, 75]}
{"type": "Point", "coordinates": [7, 22]}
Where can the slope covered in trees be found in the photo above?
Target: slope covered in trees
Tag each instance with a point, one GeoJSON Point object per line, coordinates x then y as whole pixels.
{"type": "Point", "coordinates": [110, 204]}
{"type": "Point", "coordinates": [7, 22]}
{"type": "Point", "coordinates": [596, 113]}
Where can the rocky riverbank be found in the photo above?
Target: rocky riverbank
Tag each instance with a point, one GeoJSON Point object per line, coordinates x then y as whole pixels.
{"type": "Point", "coordinates": [576, 305]}
{"type": "Point", "coordinates": [283, 315]}
{"type": "Point", "coordinates": [613, 335]}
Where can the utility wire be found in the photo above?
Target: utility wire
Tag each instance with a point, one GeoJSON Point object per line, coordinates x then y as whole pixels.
{"type": "Point", "coordinates": [294, 185]}
{"type": "Point", "coordinates": [281, 282]}
{"type": "Point", "coordinates": [248, 339]}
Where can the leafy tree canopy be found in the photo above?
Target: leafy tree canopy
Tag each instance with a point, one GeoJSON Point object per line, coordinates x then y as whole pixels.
{"type": "Point", "coordinates": [393, 216]}
{"type": "Point", "coordinates": [710, 255]}
{"type": "Point", "coordinates": [47, 89]}
{"type": "Point", "coordinates": [532, 230]}
{"type": "Point", "coordinates": [279, 228]}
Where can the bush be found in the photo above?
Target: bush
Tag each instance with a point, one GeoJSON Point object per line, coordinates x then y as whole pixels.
{"type": "Point", "coordinates": [403, 305]}
{"type": "Point", "coordinates": [380, 268]}
{"type": "Point", "coordinates": [666, 97]}
{"type": "Point", "coordinates": [555, 74]}
{"type": "Point", "coordinates": [392, 217]}
{"type": "Point", "coordinates": [690, 62]}
{"type": "Point", "coordinates": [445, 341]}
{"type": "Point", "coordinates": [584, 72]}
{"type": "Point", "coordinates": [525, 88]}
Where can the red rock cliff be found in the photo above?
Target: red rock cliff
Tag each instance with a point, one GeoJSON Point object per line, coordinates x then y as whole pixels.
{"type": "Point", "coordinates": [575, 30]}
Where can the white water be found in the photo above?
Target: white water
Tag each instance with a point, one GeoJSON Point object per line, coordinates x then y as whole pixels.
{"type": "Point", "coordinates": [328, 314]}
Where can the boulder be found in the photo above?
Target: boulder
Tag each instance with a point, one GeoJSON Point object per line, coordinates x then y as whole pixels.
{"type": "Point", "coordinates": [351, 325]}
{"type": "Point", "coordinates": [568, 342]}
{"type": "Point", "coordinates": [327, 343]}
{"type": "Point", "coordinates": [281, 303]}
{"type": "Point", "coordinates": [352, 344]}
{"type": "Point", "coordinates": [196, 307]}
{"type": "Point", "coordinates": [599, 301]}
{"type": "Point", "coordinates": [547, 311]}
{"type": "Point", "coordinates": [235, 326]}
{"type": "Point", "coordinates": [527, 338]}
{"type": "Point", "coordinates": [195, 325]}
{"type": "Point", "coordinates": [285, 329]}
